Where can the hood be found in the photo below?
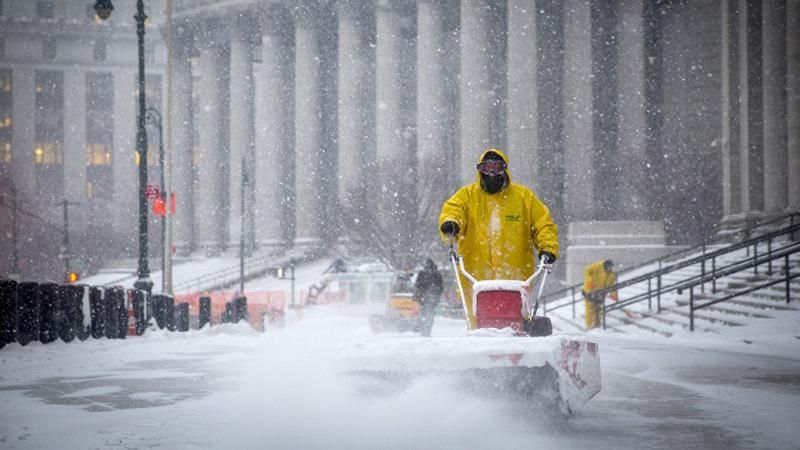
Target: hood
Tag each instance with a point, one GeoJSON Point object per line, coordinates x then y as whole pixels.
{"type": "Point", "coordinates": [502, 155]}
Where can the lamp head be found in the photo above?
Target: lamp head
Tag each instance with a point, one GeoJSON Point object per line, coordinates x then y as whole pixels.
{"type": "Point", "coordinates": [103, 8]}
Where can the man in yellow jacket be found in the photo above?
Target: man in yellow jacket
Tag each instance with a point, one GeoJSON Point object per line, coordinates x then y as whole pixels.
{"type": "Point", "coordinates": [596, 276]}
{"type": "Point", "coordinates": [498, 224]}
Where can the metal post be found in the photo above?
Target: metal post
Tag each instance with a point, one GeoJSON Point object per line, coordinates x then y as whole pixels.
{"type": "Point", "coordinates": [658, 295]}
{"type": "Point", "coordinates": [15, 252]}
{"type": "Point", "coordinates": [769, 256]}
{"type": "Point", "coordinates": [572, 292]}
{"type": "Point", "coordinates": [291, 267]}
{"type": "Point", "coordinates": [167, 169]}
{"type": "Point", "coordinates": [649, 294]}
{"type": "Point", "coordinates": [241, 225]}
{"type": "Point", "coordinates": [755, 258]}
{"type": "Point", "coordinates": [691, 309]}
{"type": "Point", "coordinates": [153, 117]}
{"type": "Point", "coordinates": [143, 272]}
{"type": "Point", "coordinates": [703, 275]}
{"type": "Point", "coordinates": [788, 298]}
{"type": "Point", "coordinates": [66, 248]}
{"type": "Point", "coordinates": [714, 275]}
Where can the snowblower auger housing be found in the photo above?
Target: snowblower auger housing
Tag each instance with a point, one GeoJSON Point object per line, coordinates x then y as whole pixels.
{"type": "Point", "coordinates": [505, 303]}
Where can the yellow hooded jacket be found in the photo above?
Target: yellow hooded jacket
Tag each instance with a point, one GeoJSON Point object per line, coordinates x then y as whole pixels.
{"type": "Point", "coordinates": [595, 278]}
{"type": "Point", "coordinates": [498, 232]}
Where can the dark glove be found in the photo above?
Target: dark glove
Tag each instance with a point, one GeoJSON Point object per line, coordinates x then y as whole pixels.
{"type": "Point", "coordinates": [548, 257]}
{"type": "Point", "coordinates": [450, 228]}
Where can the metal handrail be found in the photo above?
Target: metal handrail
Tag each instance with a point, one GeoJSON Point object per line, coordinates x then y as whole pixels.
{"type": "Point", "coordinates": [702, 279]}
{"type": "Point", "coordinates": [749, 263]}
{"type": "Point", "coordinates": [674, 255]}
{"type": "Point", "coordinates": [659, 273]}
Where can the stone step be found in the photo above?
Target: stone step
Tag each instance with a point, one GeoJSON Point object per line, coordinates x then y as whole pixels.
{"type": "Point", "coordinates": [721, 308]}
{"type": "Point", "coordinates": [639, 324]}
{"type": "Point", "coordinates": [707, 316]}
{"type": "Point", "coordinates": [759, 300]}
{"type": "Point", "coordinates": [673, 321]}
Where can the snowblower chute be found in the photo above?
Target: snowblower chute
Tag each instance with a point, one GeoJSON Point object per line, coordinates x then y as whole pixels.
{"type": "Point", "coordinates": [511, 354]}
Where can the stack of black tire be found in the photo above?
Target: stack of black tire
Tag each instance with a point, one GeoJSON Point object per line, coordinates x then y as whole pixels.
{"type": "Point", "coordinates": [46, 312]}
{"type": "Point", "coordinates": [235, 310]}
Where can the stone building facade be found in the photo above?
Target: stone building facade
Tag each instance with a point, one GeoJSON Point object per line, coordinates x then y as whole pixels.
{"type": "Point", "coordinates": [323, 116]}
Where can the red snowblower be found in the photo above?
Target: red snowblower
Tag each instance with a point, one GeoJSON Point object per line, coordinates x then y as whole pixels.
{"type": "Point", "coordinates": [512, 353]}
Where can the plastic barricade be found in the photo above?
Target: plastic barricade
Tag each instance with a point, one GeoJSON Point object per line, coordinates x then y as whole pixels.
{"type": "Point", "coordinates": [204, 316]}
{"type": "Point", "coordinates": [97, 311]}
{"type": "Point", "coordinates": [84, 322]}
{"type": "Point", "coordinates": [182, 313]}
{"type": "Point", "coordinates": [8, 311]}
{"type": "Point", "coordinates": [49, 312]}
{"type": "Point", "coordinates": [169, 313]}
{"type": "Point", "coordinates": [140, 311]}
{"type": "Point", "coordinates": [27, 312]}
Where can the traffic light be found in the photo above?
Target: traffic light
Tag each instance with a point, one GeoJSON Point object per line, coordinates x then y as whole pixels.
{"type": "Point", "coordinates": [73, 277]}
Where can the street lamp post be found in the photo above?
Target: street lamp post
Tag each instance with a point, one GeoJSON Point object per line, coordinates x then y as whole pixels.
{"type": "Point", "coordinates": [153, 117]}
{"type": "Point", "coordinates": [104, 9]}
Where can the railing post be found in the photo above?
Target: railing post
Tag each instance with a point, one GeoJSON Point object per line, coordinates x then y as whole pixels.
{"type": "Point", "coordinates": [658, 296]}
{"type": "Point", "coordinates": [714, 275]}
{"type": "Point", "coordinates": [649, 295]}
{"type": "Point", "coordinates": [769, 256]}
{"type": "Point", "coordinates": [604, 314]}
{"type": "Point", "coordinates": [791, 224]}
{"type": "Point", "coordinates": [755, 258]}
{"type": "Point", "coordinates": [702, 275]}
{"type": "Point", "coordinates": [572, 292]}
{"type": "Point", "coordinates": [691, 308]}
{"type": "Point", "coordinates": [788, 298]}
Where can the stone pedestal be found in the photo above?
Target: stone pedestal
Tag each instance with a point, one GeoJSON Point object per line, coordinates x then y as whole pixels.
{"type": "Point", "coordinates": [627, 243]}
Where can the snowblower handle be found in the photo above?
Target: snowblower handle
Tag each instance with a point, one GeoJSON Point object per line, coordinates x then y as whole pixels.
{"type": "Point", "coordinates": [453, 258]}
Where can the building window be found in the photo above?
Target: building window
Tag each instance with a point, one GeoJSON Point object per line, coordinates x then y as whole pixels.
{"type": "Point", "coordinates": [44, 10]}
{"type": "Point", "coordinates": [49, 48]}
{"type": "Point", "coordinates": [49, 136]}
{"type": "Point", "coordinates": [100, 51]}
{"type": "Point", "coordinates": [99, 135]}
{"type": "Point", "coordinates": [5, 121]}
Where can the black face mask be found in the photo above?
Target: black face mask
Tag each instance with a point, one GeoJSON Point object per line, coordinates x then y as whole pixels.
{"type": "Point", "coordinates": [493, 185]}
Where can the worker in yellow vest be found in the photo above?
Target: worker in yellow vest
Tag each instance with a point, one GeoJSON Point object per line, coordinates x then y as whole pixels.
{"type": "Point", "coordinates": [597, 276]}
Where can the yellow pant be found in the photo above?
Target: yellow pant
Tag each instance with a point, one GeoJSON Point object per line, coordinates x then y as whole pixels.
{"type": "Point", "coordinates": [592, 316]}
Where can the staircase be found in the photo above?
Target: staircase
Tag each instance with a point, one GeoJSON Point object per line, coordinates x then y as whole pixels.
{"type": "Point", "coordinates": [712, 289]}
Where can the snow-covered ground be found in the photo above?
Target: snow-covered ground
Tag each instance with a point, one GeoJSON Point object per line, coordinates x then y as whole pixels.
{"type": "Point", "coordinates": [232, 387]}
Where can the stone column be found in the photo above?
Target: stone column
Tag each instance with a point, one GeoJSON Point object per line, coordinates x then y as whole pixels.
{"type": "Point", "coordinates": [793, 101]}
{"type": "Point", "coordinates": [309, 127]}
{"type": "Point", "coordinates": [355, 108]}
{"type": "Point", "coordinates": [75, 144]}
{"type": "Point", "coordinates": [751, 133]}
{"type": "Point", "coordinates": [123, 161]}
{"type": "Point", "coordinates": [23, 98]}
{"type": "Point", "coordinates": [242, 110]}
{"type": "Point", "coordinates": [523, 110]}
{"type": "Point", "coordinates": [476, 95]}
{"type": "Point", "coordinates": [273, 148]}
{"type": "Point", "coordinates": [210, 213]}
{"type": "Point", "coordinates": [776, 195]}
{"type": "Point", "coordinates": [182, 147]}
{"type": "Point", "coordinates": [432, 110]}
{"type": "Point", "coordinates": [731, 188]}
{"type": "Point", "coordinates": [631, 139]}
{"type": "Point", "coordinates": [394, 164]}
{"type": "Point", "coordinates": [577, 85]}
